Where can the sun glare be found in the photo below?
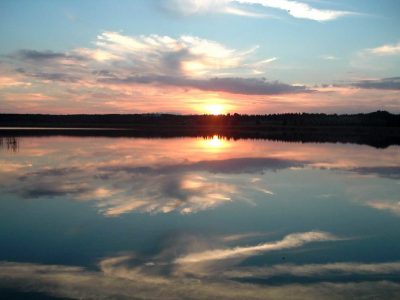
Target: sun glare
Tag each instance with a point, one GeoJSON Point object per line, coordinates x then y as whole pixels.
{"type": "Point", "coordinates": [214, 144]}
{"type": "Point", "coordinates": [215, 109]}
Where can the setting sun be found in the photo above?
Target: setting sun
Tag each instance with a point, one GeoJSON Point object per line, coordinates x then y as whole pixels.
{"type": "Point", "coordinates": [215, 109]}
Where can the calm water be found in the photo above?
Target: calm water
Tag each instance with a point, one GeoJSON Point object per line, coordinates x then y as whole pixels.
{"type": "Point", "coordinates": [110, 218]}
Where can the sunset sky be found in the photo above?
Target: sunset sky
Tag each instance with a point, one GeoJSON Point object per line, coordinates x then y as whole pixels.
{"type": "Point", "coordinates": [199, 56]}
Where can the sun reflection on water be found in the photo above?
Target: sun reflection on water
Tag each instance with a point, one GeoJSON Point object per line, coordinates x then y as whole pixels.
{"type": "Point", "coordinates": [215, 143]}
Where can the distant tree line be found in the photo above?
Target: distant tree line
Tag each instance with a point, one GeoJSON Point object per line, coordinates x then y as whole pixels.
{"type": "Point", "coordinates": [379, 118]}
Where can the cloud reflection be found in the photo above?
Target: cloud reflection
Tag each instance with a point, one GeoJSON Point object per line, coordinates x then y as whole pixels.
{"type": "Point", "coordinates": [180, 175]}
{"type": "Point", "coordinates": [117, 188]}
{"type": "Point", "coordinates": [133, 276]}
{"type": "Point", "coordinates": [117, 281]}
{"type": "Point", "coordinates": [290, 241]}
{"type": "Point", "coordinates": [317, 270]}
{"type": "Point", "coordinates": [393, 207]}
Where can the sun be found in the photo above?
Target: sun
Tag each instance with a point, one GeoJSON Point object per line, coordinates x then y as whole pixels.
{"type": "Point", "coordinates": [215, 109]}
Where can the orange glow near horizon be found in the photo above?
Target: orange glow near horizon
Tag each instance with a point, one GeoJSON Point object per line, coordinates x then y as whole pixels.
{"type": "Point", "coordinates": [215, 109]}
{"type": "Point", "coordinates": [215, 104]}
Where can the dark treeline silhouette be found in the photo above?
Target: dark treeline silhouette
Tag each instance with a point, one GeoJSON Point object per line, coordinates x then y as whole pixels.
{"type": "Point", "coordinates": [378, 129]}
{"type": "Point", "coordinates": [132, 121]}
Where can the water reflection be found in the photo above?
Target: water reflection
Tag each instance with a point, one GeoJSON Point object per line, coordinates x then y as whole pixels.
{"type": "Point", "coordinates": [119, 188]}
{"type": "Point", "coordinates": [9, 143]}
{"type": "Point", "coordinates": [188, 277]}
{"type": "Point", "coordinates": [183, 175]}
{"type": "Point", "coordinates": [215, 143]}
{"type": "Point", "coordinates": [199, 218]}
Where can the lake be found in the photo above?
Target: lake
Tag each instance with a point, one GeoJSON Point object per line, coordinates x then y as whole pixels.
{"type": "Point", "coordinates": [197, 218]}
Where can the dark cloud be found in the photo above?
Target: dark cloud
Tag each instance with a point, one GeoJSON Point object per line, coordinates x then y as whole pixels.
{"type": "Point", "coordinates": [234, 85]}
{"type": "Point", "coordinates": [36, 187]}
{"type": "Point", "coordinates": [35, 55]}
{"type": "Point", "coordinates": [392, 83]}
{"type": "Point", "coordinates": [171, 62]}
{"type": "Point", "coordinates": [104, 73]}
{"type": "Point", "coordinates": [44, 56]}
{"type": "Point", "coordinates": [55, 76]}
{"type": "Point", "coordinates": [52, 76]}
{"type": "Point", "coordinates": [51, 191]}
{"type": "Point", "coordinates": [49, 173]}
{"type": "Point", "coordinates": [227, 166]}
{"type": "Point", "coordinates": [50, 183]}
{"type": "Point", "coordinates": [48, 65]}
{"type": "Point", "coordinates": [245, 165]}
{"type": "Point", "coordinates": [381, 171]}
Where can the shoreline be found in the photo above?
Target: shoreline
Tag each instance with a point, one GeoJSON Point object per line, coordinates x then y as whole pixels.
{"type": "Point", "coordinates": [378, 137]}
{"type": "Point", "coordinates": [379, 129]}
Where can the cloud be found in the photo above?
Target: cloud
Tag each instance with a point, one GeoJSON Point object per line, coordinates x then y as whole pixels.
{"type": "Point", "coordinates": [164, 55]}
{"type": "Point", "coordinates": [392, 83]}
{"type": "Point", "coordinates": [12, 81]}
{"type": "Point", "coordinates": [189, 7]}
{"type": "Point", "coordinates": [244, 13]}
{"type": "Point", "coordinates": [388, 49]}
{"type": "Point", "coordinates": [242, 236]}
{"type": "Point", "coordinates": [150, 193]}
{"type": "Point", "coordinates": [116, 279]}
{"type": "Point", "coordinates": [244, 86]}
{"type": "Point", "coordinates": [28, 97]}
{"type": "Point", "coordinates": [318, 271]}
{"type": "Point", "coordinates": [137, 276]}
{"type": "Point", "coordinates": [26, 54]}
{"type": "Point", "coordinates": [52, 76]}
{"type": "Point", "coordinates": [329, 57]}
{"type": "Point", "coordinates": [392, 172]}
{"type": "Point", "coordinates": [393, 207]}
{"type": "Point", "coordinates": [176, 187]}
{"type": "Point", "coordinates": [290, 241]}
{"type": "Point", "coordinates": [294, 8]}
{"type": "Point", "coordinates": [185, 62]}
{"type": "Point", "coordinates": [47, 56]}
{"type": "Point", "coordinates": [299, 9]}
{"type": "Point", "coordinates": [241, 165]}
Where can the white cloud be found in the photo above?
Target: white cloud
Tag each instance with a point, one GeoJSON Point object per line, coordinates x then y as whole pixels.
{"type": "Point", "coordinates": [163, 55]}
{"type": "Point", "coordinates": [242, 236]}
{"type": "Point", "coordinates": [243, 13]}
{"type": "Point", "coordinates": [122, 55]}
{"type": "Point", "coordinates": [299, 9]}
{"type": "Point", "coordinates": [294, 8]}
{"type": "Point", "coordinates": [393, 207]}
{"type": "Point", "coordinates": [290, 241]}
{"type": "Point", "coordinates": [388, 49]}
{"type": "Point", "coordinates": [329, 57]}
{"type": "Point", "coordinates": [188, 7]}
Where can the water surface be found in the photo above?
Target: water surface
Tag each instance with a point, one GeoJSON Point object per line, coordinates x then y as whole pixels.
{"type": "Point", "coordinates": [195, 218]}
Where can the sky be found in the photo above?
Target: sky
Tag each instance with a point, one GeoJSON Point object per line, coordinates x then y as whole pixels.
{"type": "Point", "coordinates": [199, 57]}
